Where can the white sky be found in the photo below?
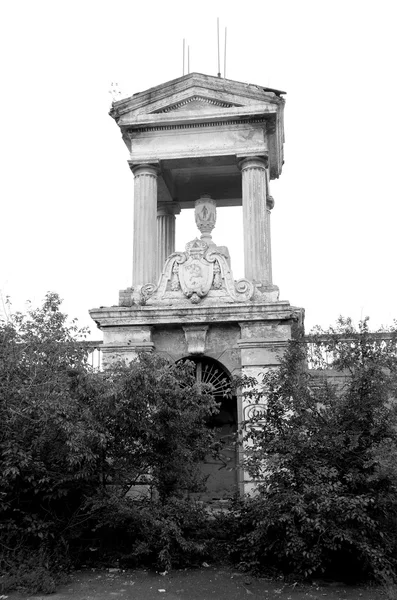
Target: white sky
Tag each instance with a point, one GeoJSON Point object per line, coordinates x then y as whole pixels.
{"type": "Point", "coordinates": [66, 189]}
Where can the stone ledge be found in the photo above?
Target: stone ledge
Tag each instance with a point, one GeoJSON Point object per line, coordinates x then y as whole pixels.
{"type": "Point", "coordinates": [261, 343]}
{"type": "Point", "coordinates": [154, 315]}
{"type": "Point", "coordinates": [138, 347]}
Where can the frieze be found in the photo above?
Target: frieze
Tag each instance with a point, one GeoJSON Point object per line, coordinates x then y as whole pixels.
{"type": "Point", "coordinates": [153, 128]}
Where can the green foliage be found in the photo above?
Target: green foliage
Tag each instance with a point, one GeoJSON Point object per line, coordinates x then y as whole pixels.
{"type": "Point", "coordinates": [78, 446]}
{"type": "Point", "coordinates": [45, 440]}
{"type": "Point", "coordinates": [175, 533]}
{"type": "Point", "coordinates": [72, 438]}
{"type": "Point", "coordinates": [328, 489]}
{"type": "Point", "coordinates": [153, 417]}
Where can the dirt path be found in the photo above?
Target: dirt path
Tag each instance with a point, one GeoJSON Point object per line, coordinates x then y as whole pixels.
{"type": "Point", "coordinates": [201, 584]}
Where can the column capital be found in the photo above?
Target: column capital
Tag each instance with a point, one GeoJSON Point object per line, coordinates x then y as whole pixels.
{"type": "Point", "coordinates": [252, 162]}
{"type": "Point", "coordinates": [144, 168]}
{"type": "Point", "coordinates": [165, 209]}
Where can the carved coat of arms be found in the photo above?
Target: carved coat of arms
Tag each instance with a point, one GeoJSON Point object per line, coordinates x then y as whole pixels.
{"type": "Point", "coordinates": [196, 274]}
{"type": "Point", "coordinates": [197, 271]}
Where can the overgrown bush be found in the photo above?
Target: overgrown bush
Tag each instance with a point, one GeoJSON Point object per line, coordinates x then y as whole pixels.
{"type": "Point", "coordinates": [71, 438]}
{"type": "Point", "coordinates": [327, 491]}
{"type": "Point", "coordinates": [77, 445]}
{"type": "Point", "coordinates": [152, 418]}
{"type": "Point", "coordinates": [175, 533]}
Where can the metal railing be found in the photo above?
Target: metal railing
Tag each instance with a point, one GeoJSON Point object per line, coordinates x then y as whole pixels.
{"type": "Point", "coordinates": [323, 350]}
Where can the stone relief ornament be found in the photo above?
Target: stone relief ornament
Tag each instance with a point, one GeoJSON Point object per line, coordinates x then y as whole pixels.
{"type": "Point", "coordinates": [217, 283]}
{"type": "Point", "coordinates": [196, 274]}
{"type": "Point", "coordinates": [199, 270]}
{"type": "Point", "coordinates": [175, 285]}
{"type": "Point", "coordinates": [203, 270]}
{"type": "Point", "coordinates": [146, 291]}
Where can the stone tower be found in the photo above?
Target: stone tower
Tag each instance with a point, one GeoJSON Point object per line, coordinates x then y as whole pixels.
{"type": "Point", "coordinates": [202, 142]}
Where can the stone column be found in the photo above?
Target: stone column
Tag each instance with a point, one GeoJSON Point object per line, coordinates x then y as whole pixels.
{"type": "Point", "coordinates": [145, 228]}
{"type": "Point", "coordinates": [165, 233]}
{"type": "Point", "coordinates": [254, 186]}
{"type": "Point", "coordinates": [269, 207]}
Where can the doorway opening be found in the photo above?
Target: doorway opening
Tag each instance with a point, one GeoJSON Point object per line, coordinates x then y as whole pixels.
{"type": "Point", "coordinates": [220, 471]}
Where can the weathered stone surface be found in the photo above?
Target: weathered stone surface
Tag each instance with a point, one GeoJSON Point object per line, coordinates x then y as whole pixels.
{"type": "Point", "coordinates": [145, 215]}
{"type": "Point", "coordinates": [255, 222]}
{"type": "Point", "coordinates": [195, 336]}
{"type": "Point", "coordinates": [166, 212]}
{"type": "Point", "coordinates": [205, 215]}
{"type": "Point", "coordinates": [202, 142]}
{"type": "Point", "coordinates": [199, 116]}
{"type": "Point", "coordinates": [184, 312]}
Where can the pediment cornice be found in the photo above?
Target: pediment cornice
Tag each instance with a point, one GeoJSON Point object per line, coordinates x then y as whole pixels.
{"type": "Point", "coordinates": [213, 115]}
{"type": "Point", "coordinates": [204, 92]}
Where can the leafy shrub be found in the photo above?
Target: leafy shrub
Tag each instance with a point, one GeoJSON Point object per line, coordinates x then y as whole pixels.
{"type": "Point", "coordinates": [33, 571]}
{"type": "Point", "coordinates": [70, 436]}
{"type": "Point", "coordinates": [326, 500]}
{"type": "Point", "coordinates": [175, 533]}
{"type": "Point", "coordinates": [152, 418]}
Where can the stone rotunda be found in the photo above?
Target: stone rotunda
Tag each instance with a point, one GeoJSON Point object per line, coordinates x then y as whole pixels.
{"type": "Point", "coordinates": [203, 142]}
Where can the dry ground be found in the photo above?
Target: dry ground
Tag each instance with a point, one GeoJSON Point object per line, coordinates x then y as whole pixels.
{"type": "Point", "coordinates": [201, 584]}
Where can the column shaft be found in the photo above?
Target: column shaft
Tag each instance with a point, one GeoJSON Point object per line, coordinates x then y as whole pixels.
{"type": "Point", "coordinates": [269, 206]}
{"type": "Point", "coordinates": [145, 229]}
{"type": "Point", "coordinates": [165, 236]}
{"type": "Point", "coordinates": [254, 186]}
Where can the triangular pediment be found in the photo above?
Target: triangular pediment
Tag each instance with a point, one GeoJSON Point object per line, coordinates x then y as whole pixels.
{"type": "Point", "coordinates": [197, 104]}
{"type": "Point", "coordinates": [193, 93]}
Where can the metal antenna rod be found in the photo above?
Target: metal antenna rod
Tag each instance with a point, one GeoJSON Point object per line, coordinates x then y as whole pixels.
{"type": "Point", "coordinates": [224, 67]}
{"type": "Point", "coordinates": [219, 55]}
{"type": "Point", "coordinates": [188, 59]}
{"type": "Point", "coordinates": [183, 56]}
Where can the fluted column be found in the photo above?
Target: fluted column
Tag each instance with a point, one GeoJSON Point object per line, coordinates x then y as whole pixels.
{"type": "Point", "coordinates": [254, 187]}
{"type": "Point", "coordinates": [145, 227]}
{"type": "Point", "coordinates": [269, 206]}
{"type": "Point", "coordinates": [165, 233]}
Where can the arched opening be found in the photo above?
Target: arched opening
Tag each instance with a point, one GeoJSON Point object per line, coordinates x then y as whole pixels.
{"type": "Point", "coordinates": [221, 470]}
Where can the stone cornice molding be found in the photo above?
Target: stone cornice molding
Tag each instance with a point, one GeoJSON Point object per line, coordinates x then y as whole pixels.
{"type": "Point", "coordinates": [157, 97]}
{"type": "Point", "coordinates": [256, 342]}
{"type": "Point", "coordinates": [220, 313]}
{"type": "Point", "coordinates": [131, 131]}
{"type": "Point", "coordinates": [131, 347]}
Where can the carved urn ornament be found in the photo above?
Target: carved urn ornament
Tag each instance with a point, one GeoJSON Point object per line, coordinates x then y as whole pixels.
{"type": "Point", "coordinates": [205, 215]}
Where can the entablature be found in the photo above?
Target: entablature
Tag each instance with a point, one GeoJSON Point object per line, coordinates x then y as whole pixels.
{"type": "Point", "coordinates": [203, 116]}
